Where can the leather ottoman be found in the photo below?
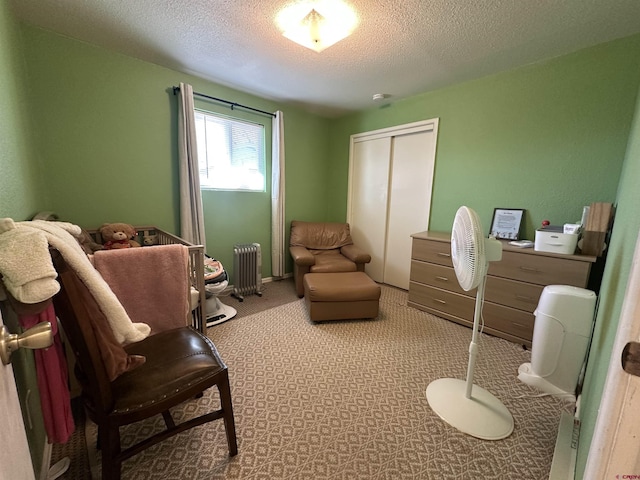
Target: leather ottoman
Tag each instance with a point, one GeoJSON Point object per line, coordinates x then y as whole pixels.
{"type": "Point", "coordinates": [340, 296]}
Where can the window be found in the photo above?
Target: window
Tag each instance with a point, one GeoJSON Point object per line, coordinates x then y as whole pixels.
{"type": "Point", "coordinates": [230, 153]}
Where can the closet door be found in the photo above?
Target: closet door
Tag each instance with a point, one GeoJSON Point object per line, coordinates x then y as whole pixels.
{"type": "Point", "coordinates": [390, 183]}
{"type": "Point", "coordinates": [370, 161]}
{"type": "Point", "coordinates": [409, 201]}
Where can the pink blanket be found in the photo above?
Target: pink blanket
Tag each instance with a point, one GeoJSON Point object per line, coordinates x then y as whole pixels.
{"type": "Point", "coordinates": [152, 283]}
{"type": "Point", "coordinates": [51, 370]}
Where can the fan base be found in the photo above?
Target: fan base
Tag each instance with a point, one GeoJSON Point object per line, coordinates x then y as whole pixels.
{"type": "Point", "coordinates": [482, 416]}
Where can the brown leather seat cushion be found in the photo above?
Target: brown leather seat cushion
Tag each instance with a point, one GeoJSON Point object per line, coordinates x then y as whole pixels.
{"type": "Point", "coordinates": [340, 287]}
{"type": "Point", "coordinates": [160, 375]}
{"type": "Point", "coordinates": [331, 261]}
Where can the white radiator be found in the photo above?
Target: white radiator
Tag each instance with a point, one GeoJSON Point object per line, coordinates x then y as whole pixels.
{"type": "Point", "coordinates": [247, 270]}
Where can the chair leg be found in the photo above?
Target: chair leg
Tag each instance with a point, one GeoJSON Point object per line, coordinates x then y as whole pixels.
{"type": "Point", "coordinates": [227, 415]}
{"type": "Point", "coordinates": [168, 419]}
{"type": "Point", "coordinates": [109, 438]}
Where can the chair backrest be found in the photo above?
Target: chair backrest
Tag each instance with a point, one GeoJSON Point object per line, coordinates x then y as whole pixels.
{"type": "Point", "coordinates": [78, 311]}
{"type": "Point", "coordinates": [319, 235]}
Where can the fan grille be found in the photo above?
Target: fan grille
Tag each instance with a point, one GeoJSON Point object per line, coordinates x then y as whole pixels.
{"type": "Point", "coordinates": [467, 248]}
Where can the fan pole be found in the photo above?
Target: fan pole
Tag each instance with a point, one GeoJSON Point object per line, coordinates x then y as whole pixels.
{"type": "Point", "coordinates": [473, 346]}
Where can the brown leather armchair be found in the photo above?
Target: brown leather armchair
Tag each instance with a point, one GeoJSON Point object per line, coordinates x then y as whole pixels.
{"type": "Point", "coordinates": [323, 248]}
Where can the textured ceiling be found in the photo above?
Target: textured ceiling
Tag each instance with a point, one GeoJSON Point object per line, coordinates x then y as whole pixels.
{"type": "Point", "coordinates": [400, 48]}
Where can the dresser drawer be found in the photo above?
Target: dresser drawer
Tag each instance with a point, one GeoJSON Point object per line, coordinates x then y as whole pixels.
{"type": "Point", "coordinates": [432, 251]}
{"type": "Point", "coordinates": [442, 300]}
{"type": "Point", "coordinates": [437, 276]}
{"type": "Point", "coordinates": [509, 320]}
{"type": "Point", "coordinates": [541, 270]}
{"type": "Point", "coordinates": [523, 296]}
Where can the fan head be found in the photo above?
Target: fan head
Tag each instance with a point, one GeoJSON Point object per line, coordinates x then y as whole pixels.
{"type": "Point", "coordinates": [468, 248]}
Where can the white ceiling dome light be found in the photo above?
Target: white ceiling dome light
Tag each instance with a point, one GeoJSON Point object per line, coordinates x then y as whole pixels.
{"type": "Point", "coordinates": [317, 24]}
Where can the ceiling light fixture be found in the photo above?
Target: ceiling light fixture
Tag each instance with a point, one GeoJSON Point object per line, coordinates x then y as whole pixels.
{"type": "Point", "coordinates": [317, 24]}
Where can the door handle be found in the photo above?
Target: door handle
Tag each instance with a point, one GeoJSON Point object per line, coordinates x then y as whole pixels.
{"type": "Point", "coordinates": [529, 269]}
{"type": "Point", "coordinates": [38, 336]}
{"type": "Point", "coordinates": [631, 358]}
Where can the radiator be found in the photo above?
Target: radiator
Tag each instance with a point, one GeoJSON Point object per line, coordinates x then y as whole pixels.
{"type": "Point", "coordinates": [247, 270]}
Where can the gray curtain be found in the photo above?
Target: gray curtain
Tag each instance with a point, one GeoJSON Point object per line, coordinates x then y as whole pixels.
{"type": "Point", "coordinates": [277, 197]}
{"type": "Point", "coordinates": [191, 212]}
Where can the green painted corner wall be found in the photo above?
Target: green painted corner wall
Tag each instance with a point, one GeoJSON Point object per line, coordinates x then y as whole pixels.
{"type": "Point", "coordinates": [21, 193]}
{"type": "Point", "coordinates": [616, 275]}
{"type": "Point", "coordinates": [107, 134]}
{"type": "Point", "coordinates": [548, 137]}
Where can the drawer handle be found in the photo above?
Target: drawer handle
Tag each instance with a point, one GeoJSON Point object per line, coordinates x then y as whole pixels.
{"type": "Point", "coordinates": [440, 301]}
{"type": "Point", "coordinates": [530, 269]}
{"type": "Point", "coordinates": [443, 279]}
{"type": "Point", "coordinates": [441, 254]}
{"type": "Point", "coordinates": [525, 298]}
{"type": "Point", "coordinates": [515, 324]}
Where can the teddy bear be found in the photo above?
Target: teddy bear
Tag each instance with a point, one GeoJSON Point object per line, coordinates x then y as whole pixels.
{"type": "Point", "coordinates": [87, 243]}
{"type": "Point", "coordinates": [148, 240]}
{"type": "Point", "coordinates": [118, 235]}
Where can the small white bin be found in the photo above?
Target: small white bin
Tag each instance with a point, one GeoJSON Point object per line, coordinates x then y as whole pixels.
{"type": "Point", "coordinates": [551, 239]}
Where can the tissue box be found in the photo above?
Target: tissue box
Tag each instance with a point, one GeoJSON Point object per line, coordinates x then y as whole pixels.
{"type": "Point", "coordinates": [552, 239]}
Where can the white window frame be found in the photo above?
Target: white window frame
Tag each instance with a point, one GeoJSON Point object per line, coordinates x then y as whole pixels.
{"type": "Point", "coordinates": [251, 178]}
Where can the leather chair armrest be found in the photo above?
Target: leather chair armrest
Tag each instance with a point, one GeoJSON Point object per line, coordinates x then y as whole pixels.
{"type": "Point", "coordinates": [355, 254]}
{"type": "Point", "coordinates": [302, 256]}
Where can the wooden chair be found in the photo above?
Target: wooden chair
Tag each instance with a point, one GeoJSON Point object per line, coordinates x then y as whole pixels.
{"type": "Point", "coordinates": [180, 364]}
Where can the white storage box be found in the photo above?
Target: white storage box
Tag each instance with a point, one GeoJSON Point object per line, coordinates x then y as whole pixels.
{"type": "Point", "coordinates": [551, 239]}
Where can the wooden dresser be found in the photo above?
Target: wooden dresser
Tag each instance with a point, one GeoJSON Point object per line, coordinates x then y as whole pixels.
{"type": "Point", "coordinates": [512, 291]}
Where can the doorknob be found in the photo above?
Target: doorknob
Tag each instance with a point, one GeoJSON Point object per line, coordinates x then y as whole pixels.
{"type": "Point", "coordinates": [38, 336]}
{"type": "Point", "coordinates": [631, 358]}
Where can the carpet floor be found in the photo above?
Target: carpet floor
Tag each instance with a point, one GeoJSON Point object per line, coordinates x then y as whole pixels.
{"type": "Point", "coordinates": [341, 400]}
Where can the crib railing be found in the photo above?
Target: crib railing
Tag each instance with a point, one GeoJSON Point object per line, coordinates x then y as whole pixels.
{"type": "Point", "coordinates": [196, 265]}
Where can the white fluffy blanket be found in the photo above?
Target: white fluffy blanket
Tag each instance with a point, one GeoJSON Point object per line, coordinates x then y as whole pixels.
{"type": "Point", "coordinates": [27, 264]}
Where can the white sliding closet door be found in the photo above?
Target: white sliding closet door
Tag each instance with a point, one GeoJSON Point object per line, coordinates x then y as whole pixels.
{"type": "Point", "coordinates": [409, 202]}
{"type": "Point", "coordinates": [370, 163]}
{"type": "Point", "coordinates": [390, 184]}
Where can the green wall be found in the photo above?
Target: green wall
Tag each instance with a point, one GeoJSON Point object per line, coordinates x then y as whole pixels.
{"type": "Point", "coordinates": [21, 193]}
{"type": "Point", "coordinates": [107, 134]}
{"type": "Point", "coordinates": [620, 256]}
{"type": "Point", "coordinates": [548, 137]}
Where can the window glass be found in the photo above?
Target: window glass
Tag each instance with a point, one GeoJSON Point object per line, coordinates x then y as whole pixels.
{"type": "Point", "coordinates": [230, 153]}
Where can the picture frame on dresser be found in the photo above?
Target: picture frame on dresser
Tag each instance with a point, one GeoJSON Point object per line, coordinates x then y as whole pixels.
{"type": "Point", "coordinates": [506, 223]}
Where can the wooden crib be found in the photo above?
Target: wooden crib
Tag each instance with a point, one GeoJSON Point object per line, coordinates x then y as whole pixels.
{"type": "Point", "coordinates": [196, 265]}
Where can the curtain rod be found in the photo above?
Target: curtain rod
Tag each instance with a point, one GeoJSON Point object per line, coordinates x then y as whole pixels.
{"type": "Point", "coordinates": [231, 104]}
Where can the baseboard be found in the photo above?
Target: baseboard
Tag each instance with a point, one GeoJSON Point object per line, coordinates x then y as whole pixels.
{"type": "Point", "coordinates": [229, 289]}
{"type": "Point", "coordinates": [271, 279]}
{"type": "Point", "coordinates": [563, 465]}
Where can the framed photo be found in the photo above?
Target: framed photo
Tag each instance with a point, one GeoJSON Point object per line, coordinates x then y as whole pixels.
{"type": "Point", "coordinates": [506, 223]}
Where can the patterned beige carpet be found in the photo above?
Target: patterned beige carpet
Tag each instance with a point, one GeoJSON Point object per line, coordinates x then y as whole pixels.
{"type": "Point", "coordinates": [346, 400]}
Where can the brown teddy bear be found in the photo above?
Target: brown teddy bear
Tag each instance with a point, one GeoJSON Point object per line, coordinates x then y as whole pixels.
{"type": "Point", "coordinates": [118, 235]}
{"type": "Point", "coordinates": [87, 243]}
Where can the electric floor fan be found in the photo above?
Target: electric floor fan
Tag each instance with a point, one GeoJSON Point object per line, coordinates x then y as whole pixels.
{"type": "Point", "coordinates": [463, 405]}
